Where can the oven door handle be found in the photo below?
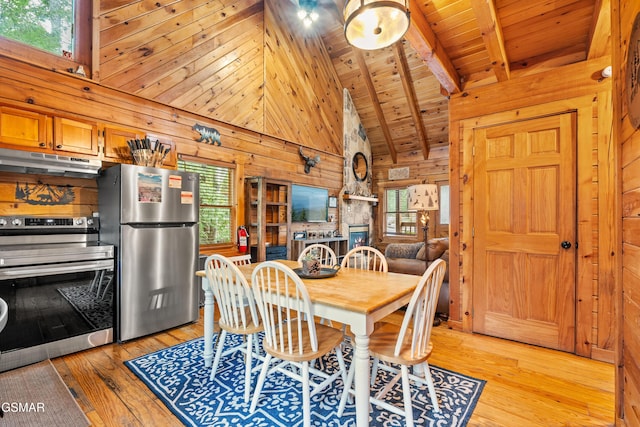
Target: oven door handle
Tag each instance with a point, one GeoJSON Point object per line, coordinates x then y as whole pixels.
{"type": "Point", "coordinates": [51, 269]}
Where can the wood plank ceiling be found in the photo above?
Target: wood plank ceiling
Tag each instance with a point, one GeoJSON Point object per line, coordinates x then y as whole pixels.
{"type": "Point", "coordinates": [401, 92]}
{"type": "Point", "coordinates": [213, 53]}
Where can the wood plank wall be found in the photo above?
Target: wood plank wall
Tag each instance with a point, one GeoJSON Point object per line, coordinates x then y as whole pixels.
{"type": "Point", "coordinates": [303, 96]}
{"type": "Point", "coordinates": [37, 89]}
{"type": "Point", "coordinates": [164, 67]}
{"type": "Point", "coordinates": [574, 87]}
{"type": "Point", "coordinates": [250, 63]}
{"type": "Point", "coordinates": [623, 14]}
{"type": "Point", "coordinates": [47, 195]}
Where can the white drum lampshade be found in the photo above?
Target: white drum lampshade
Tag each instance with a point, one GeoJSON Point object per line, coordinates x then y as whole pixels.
{"type": "Point", "coordinates": [370, 24]}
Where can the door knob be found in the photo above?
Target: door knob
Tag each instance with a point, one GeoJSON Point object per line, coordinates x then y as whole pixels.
{"type": "Point", "coordinates": [565, 245]}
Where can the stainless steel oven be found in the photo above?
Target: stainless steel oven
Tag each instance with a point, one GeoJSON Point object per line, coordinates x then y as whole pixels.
{"type": "Point", "coordinates": [56, 277]}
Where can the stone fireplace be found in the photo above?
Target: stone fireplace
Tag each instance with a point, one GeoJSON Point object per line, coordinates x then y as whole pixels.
{"type": "Point", "coordinates": [358, 235]}
{"type": "Point", "coordinates": [355, 212]}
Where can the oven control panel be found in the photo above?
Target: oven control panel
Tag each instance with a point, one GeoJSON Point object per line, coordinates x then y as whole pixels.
{"type": "Point", "coordinates": [38, 222]}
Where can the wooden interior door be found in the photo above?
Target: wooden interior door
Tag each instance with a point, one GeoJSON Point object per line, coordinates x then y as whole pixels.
{"type": "Point", "coordinates": [525, 231]}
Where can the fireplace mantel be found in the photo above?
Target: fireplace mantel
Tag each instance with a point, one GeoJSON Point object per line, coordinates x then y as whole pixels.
{"type": "Point", "coordinates": [363, 198]}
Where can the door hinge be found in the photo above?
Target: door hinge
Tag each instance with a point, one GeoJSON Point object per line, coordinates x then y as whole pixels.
{"type": "Point", "coordinates": [473, 232]}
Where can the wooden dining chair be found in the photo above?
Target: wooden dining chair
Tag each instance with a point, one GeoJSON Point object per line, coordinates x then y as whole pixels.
{"type": "Point", "coordinates": [365, 258]}
{"type": "Point", "coordinates": [238, 313]}
{"type": "Point", "coordinates": [404, 346]}
{"type": "Point", "coordinates": [290, 341]}
{"type": "Point", "coordinates": [237, 260]}
{"type": "Point", "coordinates": [240, 259]}
{"type": "Point", "coordinates": [321, 252]}
{"type": "Point", "coordinates": [325, 255]}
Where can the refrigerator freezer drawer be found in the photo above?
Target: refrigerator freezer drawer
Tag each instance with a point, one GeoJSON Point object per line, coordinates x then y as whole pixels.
{"type": "Point", "coordinates": [158, 287]}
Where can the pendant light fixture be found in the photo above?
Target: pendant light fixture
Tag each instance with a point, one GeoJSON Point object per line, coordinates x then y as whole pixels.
{"type": "Point", "coordinates": [307, 12]}
{"type": "Point", "coordinates": [371, 24]}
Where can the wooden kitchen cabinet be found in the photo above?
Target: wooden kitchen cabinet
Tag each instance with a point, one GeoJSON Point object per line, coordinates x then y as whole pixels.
{"type": "Point", "coordinates": [115, 143]}
{"type": "Point", "coordinates": [41, 132]}
{"type": "Point", "coordinates": [117, 150]}
{"type": "Point", "coordinates": [68, 135]}
{"type": "Point", "coordinates": [171, 161]}
{"type": "Point", "coordinates": [24, 129]}
{"type": "Point", "coordinates": [75, 136]}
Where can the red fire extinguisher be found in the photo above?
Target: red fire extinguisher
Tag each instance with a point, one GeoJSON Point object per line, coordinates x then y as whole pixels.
{"type": "Point", "coordinates": [243, 239]}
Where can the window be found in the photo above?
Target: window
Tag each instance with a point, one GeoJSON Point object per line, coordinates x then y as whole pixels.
{"type": "Point", "coordinates": [47, 25]}
{"type": "Point", "coordinates": [444, 204]}
{"type": "Point", "coordinates": [398, 220]}
{"type": "Point", "coordinates": [217, 211]}
{"type": "Point", "coordinates": [52, 28]}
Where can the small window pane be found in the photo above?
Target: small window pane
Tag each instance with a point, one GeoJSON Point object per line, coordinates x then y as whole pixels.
{"type": "Point", "coordinates": [47, 25]}
{"type": "Point", "coordinates": [444, 204]}
{"type": "Point", "coordinates": [216, 206]}
{"type": "Point", "coordinates": [398, 220]}
{"type": "Point", "coordinates": [214, 225]}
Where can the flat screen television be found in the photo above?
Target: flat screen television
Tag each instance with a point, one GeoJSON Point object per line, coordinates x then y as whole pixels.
{"type": "Point", "coordinates": [309, 204]}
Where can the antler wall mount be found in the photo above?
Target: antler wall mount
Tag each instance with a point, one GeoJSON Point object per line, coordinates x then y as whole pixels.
{"type": "Point", "coordinates": [308, 161]}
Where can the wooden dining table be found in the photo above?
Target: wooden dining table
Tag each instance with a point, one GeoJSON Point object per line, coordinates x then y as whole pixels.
{"type": "Point", "coordinates": [357, 298]}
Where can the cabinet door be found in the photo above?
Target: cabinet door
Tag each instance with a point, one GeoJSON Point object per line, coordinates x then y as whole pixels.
{"type": "Point", "coordinates": [75, 136]}
{"type": "Point", "coordinates": [24, 128]}
{"type": "Point", "coordinates": [115, 143]}
{"type": "Point", "coordinates": [171, 159]}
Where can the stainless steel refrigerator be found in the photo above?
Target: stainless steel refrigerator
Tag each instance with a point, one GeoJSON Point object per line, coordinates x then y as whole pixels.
{"type": "Point", "coordinates": [151, 216]}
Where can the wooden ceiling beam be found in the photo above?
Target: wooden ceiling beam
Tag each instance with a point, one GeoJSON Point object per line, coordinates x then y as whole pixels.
{"type": "Point", "coordinates": [364, 69]}
{"type": "Point", "coordinates": [412, 99]}
{"type": "Point", "coordinates": [600, 31]}
{"type": "Point", "coordinates": [426, 44]}
{"type": "Point", "coordinates": [489, 25]}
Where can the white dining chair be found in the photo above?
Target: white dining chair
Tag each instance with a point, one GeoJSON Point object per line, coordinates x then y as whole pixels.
{"type": "Point", "coordinates": [325, 255]}
{"type": "Point", "coordinates": [290, 341]}
{"type": "Point", "coordinates": [237, 260]}
{"type": "Point", "coordinates": [238, 314]}
{"type": "Point", "coordinates": [240, 259]}
{"type": "Point", "coordinates": [321, 252]}
{"type": "Point", "coordinates": [365, 258]}
{"type": "Point", "coordinates": [407, 345]}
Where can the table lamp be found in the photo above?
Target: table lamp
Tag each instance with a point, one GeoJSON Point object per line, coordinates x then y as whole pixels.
{"type": "Point", "coordinates": [424, 198]}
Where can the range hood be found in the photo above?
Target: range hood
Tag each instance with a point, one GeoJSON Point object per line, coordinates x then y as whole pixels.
{"type": "Point", "coordinates": [48, 164]}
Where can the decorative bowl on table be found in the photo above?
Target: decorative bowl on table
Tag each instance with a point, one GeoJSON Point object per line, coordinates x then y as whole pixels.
{"type": "Point", "coordinates": [323, 273]}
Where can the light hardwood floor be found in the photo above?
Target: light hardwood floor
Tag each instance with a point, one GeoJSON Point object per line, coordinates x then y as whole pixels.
{"type": "Point", "coordinates": [526, 385]}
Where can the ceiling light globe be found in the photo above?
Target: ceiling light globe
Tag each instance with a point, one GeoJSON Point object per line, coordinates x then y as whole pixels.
{"type": "Point", "coordinates": [373, 24]}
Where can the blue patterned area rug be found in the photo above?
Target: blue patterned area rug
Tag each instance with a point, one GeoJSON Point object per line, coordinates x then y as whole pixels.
{"type": "Point", "coordinates": [178, 377]}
